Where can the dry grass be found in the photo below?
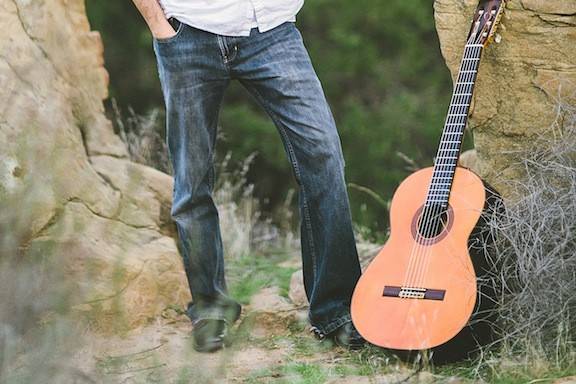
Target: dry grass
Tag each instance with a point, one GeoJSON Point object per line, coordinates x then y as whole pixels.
{"type": "Point", "coordinates": [536, 255]}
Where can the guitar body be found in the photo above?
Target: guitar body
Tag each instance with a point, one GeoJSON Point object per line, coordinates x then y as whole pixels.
{"type": "Point", "coordinates": [448, 264]}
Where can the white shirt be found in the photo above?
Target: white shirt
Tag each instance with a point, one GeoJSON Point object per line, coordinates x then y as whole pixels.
{"type": "Point", "coordinates": [232, 17]}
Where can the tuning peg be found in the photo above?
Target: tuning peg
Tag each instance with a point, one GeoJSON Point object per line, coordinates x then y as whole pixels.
{"type": "Point", "coordinates": [498, 38]}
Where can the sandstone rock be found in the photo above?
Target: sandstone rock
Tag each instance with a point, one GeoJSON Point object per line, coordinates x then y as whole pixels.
{"type": "Point", "coordinates": [149, 192]}
{"type": "Point", "coordinates": [521, 82]}
{"type": "Point", "coordinates": [270, 312]}
{"type": "Point", "coordinates": [469, 159]}
{"type": "Point", "coordinates": [67, 175]}
{"type": "Point", "coordinates": [268, 300]}
{"type": "Point", "coordinates": [297, 294]}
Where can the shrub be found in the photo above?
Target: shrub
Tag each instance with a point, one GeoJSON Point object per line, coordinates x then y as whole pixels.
{"type": "Point", "coordinates": [536, 253]}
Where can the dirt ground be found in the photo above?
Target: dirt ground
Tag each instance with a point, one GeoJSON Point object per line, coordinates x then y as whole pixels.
{"type": "Point", "coordinates": [271, 344]}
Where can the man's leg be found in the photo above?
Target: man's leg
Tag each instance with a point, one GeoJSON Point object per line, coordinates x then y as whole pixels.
{"type": "Point", "coordinates": [275, 67]}
{"type": "Point", "coordinates": [193, 81]}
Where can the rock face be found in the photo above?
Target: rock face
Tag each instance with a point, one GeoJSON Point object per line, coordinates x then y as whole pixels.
{"type": "Point", "coordinates": [66, 176]}
{"type": "Point", "coordinates": [522, 80]}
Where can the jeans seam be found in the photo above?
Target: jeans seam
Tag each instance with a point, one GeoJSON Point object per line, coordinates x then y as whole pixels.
{"type": "Point", "coordinates": [294, 161]}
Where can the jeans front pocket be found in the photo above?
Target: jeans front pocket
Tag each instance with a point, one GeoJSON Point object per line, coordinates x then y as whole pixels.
{"type": "Point", "coordinates": [178, 27]}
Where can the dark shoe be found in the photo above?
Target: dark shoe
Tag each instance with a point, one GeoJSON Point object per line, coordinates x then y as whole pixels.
{"type": "Point", "coordinates": [210, 323]}
{"type": "Point", "coordinates": [346, 336]}
{"type": "Point", "coordinates": [209, 335]}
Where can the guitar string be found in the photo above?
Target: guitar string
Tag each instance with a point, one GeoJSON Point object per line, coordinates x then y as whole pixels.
{"type": "Point", "coordinates": [466, 84]}
{"type": "Point", "coordinates": [433, 207]}
{"type": "Point", "coordinates": [430, 210]}
{"type": "Point", "coordinates": [470, 78]}
{"type": "Point", "coordinates": [411, 270]}
{"type": "Point", "coordinates": [445, 166]}
{"type": "Point", "coordinates": [439, 194]}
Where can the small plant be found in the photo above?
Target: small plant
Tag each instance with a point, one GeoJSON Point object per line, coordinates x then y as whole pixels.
{"type": "Point", "coordinates": [143, 136]}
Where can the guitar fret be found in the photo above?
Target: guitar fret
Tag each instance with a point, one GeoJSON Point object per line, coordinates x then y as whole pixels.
{"type": "Point", "coordinates": [451, 142]}
{"type": "Point", "coordinates": [455, 125]}
{"type": "Point", "coordinates": [457, 114]}
{"type": "Point", "coordinates": [464, 83]}
{"type": "Point", "coordinates": [462, 94]}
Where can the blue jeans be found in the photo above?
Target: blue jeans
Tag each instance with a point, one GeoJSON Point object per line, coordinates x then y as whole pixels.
{"type": "Point", "coordinates": [195, 67]}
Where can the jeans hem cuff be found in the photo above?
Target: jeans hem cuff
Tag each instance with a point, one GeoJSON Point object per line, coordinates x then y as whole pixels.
{"type": "Point", "coordinates": [333, 325]}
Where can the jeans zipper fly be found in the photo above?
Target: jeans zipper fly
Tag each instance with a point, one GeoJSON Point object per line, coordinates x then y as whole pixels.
{"type": "Point", "coordinates": [228, 53]}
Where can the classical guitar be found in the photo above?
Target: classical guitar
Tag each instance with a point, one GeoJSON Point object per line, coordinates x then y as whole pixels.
{"type": "Point", "coordinates": [423, 291]}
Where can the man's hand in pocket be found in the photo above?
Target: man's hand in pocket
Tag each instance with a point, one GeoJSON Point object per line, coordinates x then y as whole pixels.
{"type": "Point", "coordinates": [163, 31]}
{"type": "Point", "coordinates": [155, 18]}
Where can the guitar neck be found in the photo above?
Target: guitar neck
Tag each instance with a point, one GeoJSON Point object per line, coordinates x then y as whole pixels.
{"type": "Point", "coordinates": [452, 135]}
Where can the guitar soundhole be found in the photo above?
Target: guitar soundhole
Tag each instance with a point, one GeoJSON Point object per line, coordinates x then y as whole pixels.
{"type": "Point", "coordinates": [432, 223]}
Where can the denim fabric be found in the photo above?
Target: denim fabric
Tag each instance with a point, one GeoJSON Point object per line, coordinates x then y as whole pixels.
{"type": "Point", "coordinates": [195, 67]}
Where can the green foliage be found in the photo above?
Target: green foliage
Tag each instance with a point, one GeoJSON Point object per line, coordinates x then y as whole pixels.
{"type": "Point", "coordinates": [381, 68]}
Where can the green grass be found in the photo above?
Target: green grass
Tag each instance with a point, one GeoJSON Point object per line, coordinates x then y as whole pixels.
{"type": "Point", "coordinates": [250, 274]}
{"type": "Point", "coordinates": [304, 373]}
{"type": "Point", "coordinates": [292, 373]}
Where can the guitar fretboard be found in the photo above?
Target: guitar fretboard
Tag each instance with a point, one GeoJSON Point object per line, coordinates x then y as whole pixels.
{"type": "Point", "coordinates": [452, 135]}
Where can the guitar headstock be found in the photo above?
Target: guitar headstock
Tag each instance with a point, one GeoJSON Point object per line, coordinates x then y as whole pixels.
{"type": "Point", "coordinates": [486, 19]}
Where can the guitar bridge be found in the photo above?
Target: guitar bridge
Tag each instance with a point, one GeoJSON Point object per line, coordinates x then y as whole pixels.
{"type": "Point", "coordinates": [414, 293]}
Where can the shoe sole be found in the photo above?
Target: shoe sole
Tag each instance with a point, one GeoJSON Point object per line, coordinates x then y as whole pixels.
{"type": "Point", "coordinates": [209, 348]}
